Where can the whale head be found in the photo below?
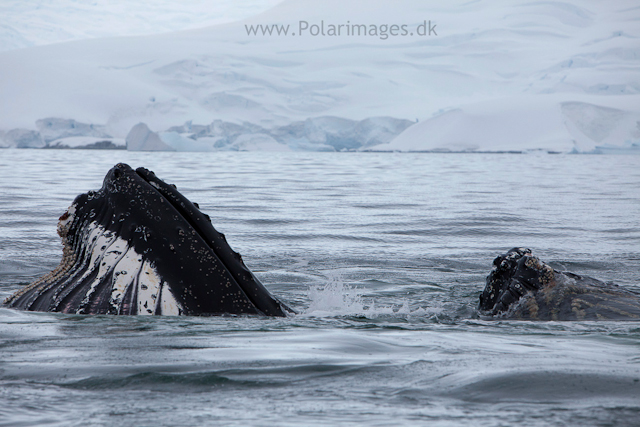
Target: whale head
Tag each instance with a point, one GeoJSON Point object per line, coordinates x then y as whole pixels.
{"type": "Point", "coordinates": [138, 246]}
{"type": "Point", "coordinates": [514, 274]}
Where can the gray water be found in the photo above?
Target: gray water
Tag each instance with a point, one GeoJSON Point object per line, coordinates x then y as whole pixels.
{"type": "Point", "coordinates": [382, 255]}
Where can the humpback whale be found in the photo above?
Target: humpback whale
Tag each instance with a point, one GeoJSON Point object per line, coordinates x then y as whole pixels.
{"type": "Point", "coordinates": [138, 246]}
{"type": "Point", "coordinates": [520, 286]}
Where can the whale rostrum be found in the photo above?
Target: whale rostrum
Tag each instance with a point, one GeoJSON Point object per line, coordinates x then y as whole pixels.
{"type": "Point", "coordinates": [520, 286]}
{"type": "Point", "coordinates": [138, 246]}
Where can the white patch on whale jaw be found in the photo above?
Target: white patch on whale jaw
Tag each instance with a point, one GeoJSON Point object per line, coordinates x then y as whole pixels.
{"type": "Point", "coordinates": [167, 303]}
{"type": "Point", "coordinates": [130, 275]}
{"type": "Point", "coordinates": [124, 276]}
{"type": "Point", "coordinates": [154, 294]}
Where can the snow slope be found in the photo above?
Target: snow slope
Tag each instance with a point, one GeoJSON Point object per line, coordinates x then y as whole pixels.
{"type": "Point", "coordinates": [38, 22]}
{"type": "Point", "coordinates": [528, 123]}
{"type": "Point", "coordinates": [527, 74]}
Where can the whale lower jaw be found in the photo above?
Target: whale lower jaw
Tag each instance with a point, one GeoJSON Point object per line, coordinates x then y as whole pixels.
{"type": "Point", "coordinates": [129, 282]}
{"type": "Point", "coordinates": [102, 275]}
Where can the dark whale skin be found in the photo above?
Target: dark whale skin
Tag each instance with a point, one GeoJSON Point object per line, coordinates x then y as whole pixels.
{"type": "Point", "coordinates": [139, 221]}
{"type": "Point", "coordinates": [520, 286]}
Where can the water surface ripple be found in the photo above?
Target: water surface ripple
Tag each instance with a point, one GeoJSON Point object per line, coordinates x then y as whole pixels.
{"type": "Point", "coordinates": [383, 255]}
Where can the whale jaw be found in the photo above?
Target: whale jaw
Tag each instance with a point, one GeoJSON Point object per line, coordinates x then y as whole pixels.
{"type": "Point", "coordinates": [138, 246]}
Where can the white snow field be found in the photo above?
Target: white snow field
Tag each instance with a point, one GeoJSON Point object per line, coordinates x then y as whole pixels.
{"type": "Point", "coordinates": [38, 22]}
{"type": "Point", "coordinates": [498, 76]}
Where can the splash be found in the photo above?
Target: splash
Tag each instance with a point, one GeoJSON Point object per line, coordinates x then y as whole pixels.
{"type": "Point", "coordinates": [336, 298]}
{"type": "Point", "coordinates": [339, 299]}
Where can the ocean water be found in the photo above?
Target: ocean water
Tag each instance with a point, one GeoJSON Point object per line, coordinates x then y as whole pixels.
{"type": "Point", "coordinates": [382, 255]}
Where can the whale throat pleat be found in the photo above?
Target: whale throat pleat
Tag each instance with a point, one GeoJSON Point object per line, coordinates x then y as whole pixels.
{"type": "Point", "coordinates": [149, 285]}
{"type": "Point", "coordinates": [167, 303]}
{"type": "Point", "coordinates": [123, 279]}
{"type": "Point", "coordinates": [102, 274]}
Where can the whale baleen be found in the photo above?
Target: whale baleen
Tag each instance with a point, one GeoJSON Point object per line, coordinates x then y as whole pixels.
{"type": "Point", "coordinates": [138, 246]}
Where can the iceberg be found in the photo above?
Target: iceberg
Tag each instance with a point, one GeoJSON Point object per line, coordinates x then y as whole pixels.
{"type": "Point", "coordinates": [327, 133]}
{"type": "Point", "coordinates": [314, 134]}
{"type": "Point", "coordinates": [22, 138]}
{"type": "Point", "coordinates": [178, 142]}
{"type": "Point", "coordinates": [258, 142]}
{"type": "Point", "coordinates": [141, 138]}
{"type": "Point", "coordinates": [53, 128]}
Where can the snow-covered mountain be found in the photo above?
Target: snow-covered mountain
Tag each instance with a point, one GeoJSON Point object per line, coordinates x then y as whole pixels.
{"type": "Point", "coordinates": [485, 76]}
{"type": "Point", "coordinates": [39, 22]}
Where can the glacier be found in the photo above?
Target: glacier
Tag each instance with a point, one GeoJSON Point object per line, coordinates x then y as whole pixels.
{"type": "Point", "coordinates": [498, 76]}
